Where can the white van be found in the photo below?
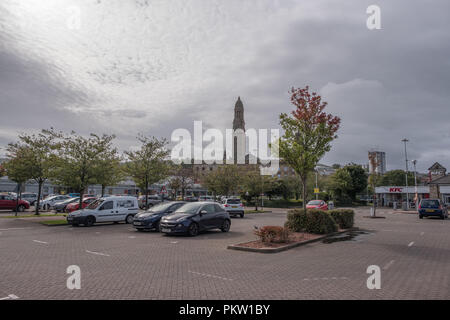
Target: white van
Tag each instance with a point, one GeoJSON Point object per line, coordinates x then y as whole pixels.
{"type": "Point", "coordinates": [108, 209]}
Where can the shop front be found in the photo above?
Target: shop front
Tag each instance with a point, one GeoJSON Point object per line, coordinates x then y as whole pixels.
{"type": "Point", "coordinates": [387, 195]}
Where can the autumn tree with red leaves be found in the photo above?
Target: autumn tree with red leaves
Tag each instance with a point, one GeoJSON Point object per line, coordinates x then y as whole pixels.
{"type": "Point", "coordinates": [308, 133]}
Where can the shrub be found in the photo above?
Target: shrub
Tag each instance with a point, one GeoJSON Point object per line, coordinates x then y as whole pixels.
{"type": "Point", "coordinates": [311, 221]}
{"type": "Point", "coordinates": [268, 234]}
{"type": "Point", "coordinates": [343, 217]}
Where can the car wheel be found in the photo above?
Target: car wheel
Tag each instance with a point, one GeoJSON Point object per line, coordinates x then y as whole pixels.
{"type": "Point", "coordinates": [158, 227]}
{"type": "Point", "coordinates": [140, 230]}
{"type": "Point", "coordinates": [242, 215]}
{"type": "Point", "coordinates": [21, 208]}
{"type": "Point", "coordinates": [129, 219]}
{"type": "Point", "coordinates": [442, 217]}
{"type": "Point", "coordinates": [225, 226]}
{"type": "Point", "coordinates": [89, 221]}
{"type": "Point", "coordinates": [193, 229]}
{"type": "Point", "coordinates": [420, 216]}
{"type": "Point", "coordinates": [75, 225]}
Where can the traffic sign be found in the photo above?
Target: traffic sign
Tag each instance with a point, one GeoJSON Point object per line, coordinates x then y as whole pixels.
{"type": "Point", "coordinates": [163, 190]}
{"type": "Point", "coordinates": [316, 190]}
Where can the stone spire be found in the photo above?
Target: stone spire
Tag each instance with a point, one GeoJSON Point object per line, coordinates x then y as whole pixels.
{"type": "Point", "coordinates": [238, 122]}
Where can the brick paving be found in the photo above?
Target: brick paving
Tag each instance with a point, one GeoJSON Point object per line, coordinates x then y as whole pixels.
{"type": "Point", "coordinates": [119, 263]}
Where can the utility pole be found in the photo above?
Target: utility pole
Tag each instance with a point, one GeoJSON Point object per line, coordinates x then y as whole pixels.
{"type": "Point", "coordinates": [406, 175]}
{"type": "Point", "coordinates": [317, 195]}
{"type": "Point", "coordinates": [416, 197]}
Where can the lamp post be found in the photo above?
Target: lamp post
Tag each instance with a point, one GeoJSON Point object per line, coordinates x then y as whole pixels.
{"type": "Point", "coordinates": [406, 175]}
{"type": "Point", "coordinates": [317, 195]}
{"type": "Point", "coordinates": [416, 198]}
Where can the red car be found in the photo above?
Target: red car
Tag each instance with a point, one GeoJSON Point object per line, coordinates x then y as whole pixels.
{"type": "Point", "coordinates": [74, 206]}
{"type": "Point", "coordinates": [317, 204]}
{"type": "Point", "coordinates": [8, 202]}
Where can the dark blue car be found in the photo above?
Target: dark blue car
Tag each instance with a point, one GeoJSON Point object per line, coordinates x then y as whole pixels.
{"type": "Point", "coordinates": [195, 217]}
{"type": "Point", "coordinates": [432, 208]}
{"type": "Point", "coordinates": [150, 219]}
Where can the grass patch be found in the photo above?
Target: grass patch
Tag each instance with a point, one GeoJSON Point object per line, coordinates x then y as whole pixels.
{"type": "Point", "coordinates": [35, 216]}
{"type": "Point", "coordinates": [54, 222]}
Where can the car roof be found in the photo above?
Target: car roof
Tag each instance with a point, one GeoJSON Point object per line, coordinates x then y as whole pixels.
{"type": "Point", "coordinates": [119, 198]}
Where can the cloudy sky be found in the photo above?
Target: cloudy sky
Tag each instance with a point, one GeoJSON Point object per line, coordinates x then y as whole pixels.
{"type": "Point", "coordinates": [129, 67]}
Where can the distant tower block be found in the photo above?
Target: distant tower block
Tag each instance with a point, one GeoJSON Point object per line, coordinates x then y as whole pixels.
{"type": "Point", "coordinates": [379, 165]}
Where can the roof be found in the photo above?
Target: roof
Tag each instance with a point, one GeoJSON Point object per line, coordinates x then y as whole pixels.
{"type": "Point", "coordinates": [441, 180]}
{"type": "Point", "coordinates": [436, 166]}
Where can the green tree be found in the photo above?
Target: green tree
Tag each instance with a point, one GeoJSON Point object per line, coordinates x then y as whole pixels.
{"type": "Point", "coordinates": [225, 180]}
{"type": "Point", "coordinates": [17, 168]}
{"type": "Point", "coordinates": [109, 171]}
{"type": "Point", "coordinates": [359, 179]}
{"type": "Point", "coordinates": [40, 158]}
{"type": "Point", "coordinates": [341, 185]}
{"type": "Point", "coordinates": [255, 184]}
{"type": "Point", "coordinates": [149, 164]}
{"type": "Point", "coordinates": [182, 178]}
{"type": "Point", "coordinates": [396, 178]}
{"type": "Point", "coordinates": [308, 133]}
{"type": "Point", "coordinates": [79, 158]}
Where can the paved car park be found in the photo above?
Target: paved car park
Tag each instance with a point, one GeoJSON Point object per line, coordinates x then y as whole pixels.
{"type": "Point", "coordinates": [117, 262]}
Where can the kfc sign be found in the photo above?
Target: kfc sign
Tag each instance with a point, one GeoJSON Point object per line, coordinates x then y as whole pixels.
{"type": "Point", "coordinates": [400, 190]}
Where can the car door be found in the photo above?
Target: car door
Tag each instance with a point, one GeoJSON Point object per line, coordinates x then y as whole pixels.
{"type": "Point", "coordinates": [3, 202]}
{"type": "Point", "coordinates": [123, 209]}
{"type": "Point", "coordinates": [207, 219]}
{"type": "Point", "coordinates": [106, 212]}
{"type": "Point", "coordinates": [220, 215]}
{"type": "Point", "coordinates": [9, 202]}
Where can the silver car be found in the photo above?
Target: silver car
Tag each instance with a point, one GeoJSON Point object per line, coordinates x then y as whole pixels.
{"type": "Point", "coordinates": [234, 207]}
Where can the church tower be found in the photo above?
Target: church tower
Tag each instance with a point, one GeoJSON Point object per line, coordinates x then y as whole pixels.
{"type": "Point", "coordinates": [238, 123]}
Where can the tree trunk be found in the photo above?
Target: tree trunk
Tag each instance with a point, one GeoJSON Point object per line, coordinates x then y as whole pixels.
{"type": "Point", "coordinates": [304, 192]}
{"type": "Point", "coordinates": [256, 204]}
{"type": "Point", "coordinates": [146, 196]}
{"type": "Point", "coordinates": [80, 203]}
{"type": "Point", "coordinates": [38, 200]}
{"type": "Point", "coordinates": [103, 190]}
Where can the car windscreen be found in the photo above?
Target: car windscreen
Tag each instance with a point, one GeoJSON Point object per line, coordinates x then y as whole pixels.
{"type": "Point", "coordinates": [189, 208]}
{"type": "Point", "coordinates": [95, 204]}
{"type": "Point", "coordinates": [161, 207]}
{"type": "Point", "coordinates": [429, 204]}
{"type": "Point", "coordinates": [315, 202]}
{"type": "Point", "coordinates": [233, 201]}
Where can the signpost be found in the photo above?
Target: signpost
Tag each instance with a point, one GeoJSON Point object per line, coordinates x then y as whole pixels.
{"type": "Point", "coordinates": [162, 192]}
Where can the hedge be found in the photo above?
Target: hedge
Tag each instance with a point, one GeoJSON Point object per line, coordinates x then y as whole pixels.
{"type": "Point", "coordinates": [343, 217]}
{"type": "Point", "coordinates": [268, 234]}
{"type": "Point", "coordinates": [311, 221]}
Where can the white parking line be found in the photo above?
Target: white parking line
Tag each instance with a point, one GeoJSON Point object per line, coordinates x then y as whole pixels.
{"type": "Point", "coordinates": [410, 244]}
{"type": "Point", "coordinates": [10, 297]}
{"type": "Point", "coordinates": [13, 229]}
{"type": "Point", "coordinates": [210, 275]}
{"type": "Point", "coordinates": [174, 242]}
{"type": "Point", "coordinates": [132, 237]}
{"type": "Point", "coordinates": [422, 233]}
{"type": "Point", "coordinates": [388, 265]}
{"type": "Point", "coordinates": [40, 241]}
{"type": "Point", "coordinates": [98, 253]}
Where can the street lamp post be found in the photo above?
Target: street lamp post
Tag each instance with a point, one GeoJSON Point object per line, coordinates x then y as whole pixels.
{"type": "Point", "coordinates": [317, 195]}
{"type": "Point", "coordinates": [406, 175]}
{"type": "Point", "coordinates": [416, 198]}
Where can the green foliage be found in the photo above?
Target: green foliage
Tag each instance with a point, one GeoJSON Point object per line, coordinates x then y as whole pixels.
{"type": "Point", "coordinates": [79, 159]}
{"type": "Point", "coordinates": [346, 182]}
{"type": "Point", "coordinates": [148, 165]}
{"type": "Point", "coordinates": [343, 217]}
{"type": "Point", "coordinates": [225, 180]}
{"type": "Point", "coordinates": [308, 133]}
{"type": "Point", "coordinates": [182, 177]}
{"type": "Point", "coordinates": [396, 178]}
{"type": "Point", "coordinates": [41, 157]}
{"type": "Point", "coordinates": [311, 221]}
{"type": "Point", "coordinates": [254, 184]}
{"type": "Point", "coordinates": [270, 234]}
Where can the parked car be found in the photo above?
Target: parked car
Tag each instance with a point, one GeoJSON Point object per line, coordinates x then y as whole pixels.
{"type": "Point", "coordinates": [74, 195]}
{"type": "Point", "coordinates": [48, 202]}
{"type": "Point", "coordinates": [61, 206]}
{"type": "Point", "coordinates": [432, 208]}
{"type": "Point", "coordinates": [151, 218]}
{"type": "Point", "coordinates": [234, 207]}
{"type": "Point", "coordinates": [206, 198]}
{"type": "Point", "coordinates": [191, 198]}
{"type": "Point", "coordinates": [8, 202]}
{"type": "Point", "coordinates": [317, 204]}
{"type": "Point", "coordinates": [152, 200]}
{"type": "Point", "coordinates": [192, 218]}
{"type": "Point", "coordinates": [30, 197]}
{"type": "Point", "coordinates": [76, 204]}
{"type": "Point", "coordinates": [112, 209]}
